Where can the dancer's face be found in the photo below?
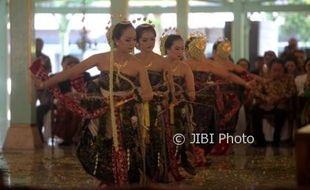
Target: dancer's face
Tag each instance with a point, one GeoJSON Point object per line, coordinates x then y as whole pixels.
{"type": "Point", "coordinates": [177, 50]}
{"type": "Point", "coordinates": [147, 42]}
{"type": "Point", "coordinates": [127, 41]}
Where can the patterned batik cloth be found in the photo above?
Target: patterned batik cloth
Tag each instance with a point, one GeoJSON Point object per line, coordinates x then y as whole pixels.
{"type": "Point", "coordinates": [96, 151]}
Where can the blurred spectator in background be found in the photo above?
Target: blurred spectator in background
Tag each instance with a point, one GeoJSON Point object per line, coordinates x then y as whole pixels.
{"type": "Point", "coordinates": [272, 97]}
{"type": "Point", "coordinates": [268, 57]}
{"type": "Point", "coordinates": [43, 96]}
{"type": "Point", "coordinates": [65, 122]}
{"type": "Point", "coordinates": [300, 57]}
{"type": "Point", "coordinates": [45, 59]}
{"type": "Point", "coordinates": [291, 67]}
{"type": "Point", "coordinates": [259, 66]}
{"type": "Point", "coordinates": [244, 63]}
{"type": "Point", "coordinates": [289, 49]}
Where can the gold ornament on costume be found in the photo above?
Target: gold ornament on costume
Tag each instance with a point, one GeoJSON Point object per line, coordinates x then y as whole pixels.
{"type": "Point", "coordinates": [224, 48]}
{"type": "Point", "coordinates": [197, 46]}
{"type": "Point", "coordinates": [164, 37]}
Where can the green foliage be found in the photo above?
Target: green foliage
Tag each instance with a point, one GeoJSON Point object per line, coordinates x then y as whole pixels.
{"type": "Point", "coordinates": [298, 23]}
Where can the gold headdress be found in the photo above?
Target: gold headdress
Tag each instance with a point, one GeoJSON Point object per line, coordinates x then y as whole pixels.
{"type": "Point", "coordinates": [197, 45]}
{"type": "Point", "coordinates": [164, 37]}
{"type": "Point", "coordinates": [224, 48]}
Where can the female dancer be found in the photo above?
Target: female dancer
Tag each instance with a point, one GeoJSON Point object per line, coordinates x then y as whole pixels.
{"type": "Point", "coordinates": [232, 95]}
{"type": "Point", "coordinates": [184, 91]}
{"type": "Point", "coordinates": [160, 149]}
{"type": "Point", "coordinates": [109, 147]}
{"type": "Point", "coordinates": [206, 91]}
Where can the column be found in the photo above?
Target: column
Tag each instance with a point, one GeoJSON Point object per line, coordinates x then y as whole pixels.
{"type": "Point", "coordinates": [22, 133]}
{"type": "Point", "coordinates": [182, 17]}
{"type": "Point", "coordinates": [240, 31]}
{"type": "Point", "coordinates": [119, 7]}
{"type": "Point", "coordinates": [4, 99]}
{"type": "Point", "coordinates": [64, 35]}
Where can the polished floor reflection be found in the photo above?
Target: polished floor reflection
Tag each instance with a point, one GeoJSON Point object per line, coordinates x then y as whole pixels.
{"type": "Point", "coordinates": [245, 168]}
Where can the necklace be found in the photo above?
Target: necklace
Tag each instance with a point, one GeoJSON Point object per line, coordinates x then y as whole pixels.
{"type": "Point", "coordinates": [148, 65]}
{"type": "Point", "coordinates": [120, 66]}
{"type": "Point", "coordinates": [146, 59]}
{"type": "Point", "coordinates": [118, 70]}
{"type": "Point", "coordinates": [175, 68]}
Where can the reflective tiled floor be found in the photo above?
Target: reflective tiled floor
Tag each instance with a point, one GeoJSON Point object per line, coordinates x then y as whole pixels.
{"type": "Point", "coordinates": [245, 168]}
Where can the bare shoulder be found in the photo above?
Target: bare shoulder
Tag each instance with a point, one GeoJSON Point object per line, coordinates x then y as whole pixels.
{"type": "Point", "coordinates": [207, 60]}
{"type": "Point", "coordinates": [99, 57]}
{"type": "Point", "coordinates": [134, 60]}
{"type": "Point", "coordinates": [212, 64]}
{"type": "Point", "coordinates": [157, 56]}
{"type": "Point", "coordinates": [166, 63]}
{"type": "Point", "coordinates": [105, 56]}
{"type": "Point", "coordinates": [191, 63]}
{"type": "Point", "coordinates": [159, 60]}
{"type": "Point", "coordinates": [185, 66]}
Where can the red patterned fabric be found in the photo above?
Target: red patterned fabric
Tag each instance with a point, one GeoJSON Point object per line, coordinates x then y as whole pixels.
{"type": "Point", "coordinates": [119, 157]}
{"type": "Point", "coordinates": [199, 156]}
{"type": "Point", "coordinates": [78, 83]}
{"type": "Point", "coordinates": [65, 122]}
{"type": "Point", "coordinates": [245, 76]}
{"type": "Point", "coordinates": [220, 148]}
{"type": "Point", "coordinates": [40, 73]}
{"type": "Point", "coordinates": [235, 106]}
{"type": "Point", "coordinates": [171, 148]}
{"type": "Point", "coordinates": [119, 161]}
{"type": "Point", "coordinates": [38, 70]}
{"type": "Point", "coordinates": [219, 99]}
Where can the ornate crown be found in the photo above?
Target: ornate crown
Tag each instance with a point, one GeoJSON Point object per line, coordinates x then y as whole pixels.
{"type": "Point", "coordinates": [164, 36]}
{"type": "Point", "coordinates": [197, 45]}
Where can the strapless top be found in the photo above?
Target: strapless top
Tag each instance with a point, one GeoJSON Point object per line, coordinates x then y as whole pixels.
{"type": "Point", "coordinates": [157, 80]}
{"type": "Point", "coordinates": [120, 83]}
